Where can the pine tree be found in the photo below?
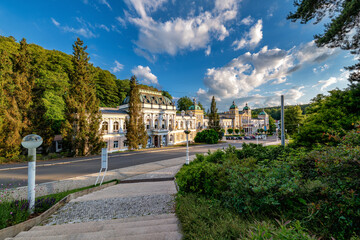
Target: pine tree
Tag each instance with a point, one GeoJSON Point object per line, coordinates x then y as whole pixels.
{"type": "Point", "coordinates": [214, 120]}
{"type": "Point", "coordinates": [135, 128]}
{"type": "Point", "coordinates": [81, 130]}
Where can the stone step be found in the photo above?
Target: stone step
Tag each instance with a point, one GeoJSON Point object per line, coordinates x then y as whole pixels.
{"type": "Point", "coordinates": [150, 236]}
{"type": "Point", "coordinates": [106, 234]}
{"type": "Point", "coordinates": [105, 222]}
{"type": "Point", "coordinates": [101, 226]}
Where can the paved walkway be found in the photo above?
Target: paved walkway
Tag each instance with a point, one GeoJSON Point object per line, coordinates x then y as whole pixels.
{"type": "Point", "coordinates": [138, 210]}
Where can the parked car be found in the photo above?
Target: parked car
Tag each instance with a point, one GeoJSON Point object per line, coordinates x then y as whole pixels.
{"type": "Point", "coordinates": [247, 137]}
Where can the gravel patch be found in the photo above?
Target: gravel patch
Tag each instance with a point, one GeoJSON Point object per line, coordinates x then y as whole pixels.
{"type": "Point", "coordinates": [113, 208]}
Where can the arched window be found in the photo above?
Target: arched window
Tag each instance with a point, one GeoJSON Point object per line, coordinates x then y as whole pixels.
{"type": "Point", "coordinates": [163, 124]}
{"type": "Point", "coordinates": [148, 124]}
{"type": "Point", "coordinates": [156, 123]}
{"type": "Point", "coordinates": [116, 126]}
{"type": "Point", "coordinates": [105, 127]}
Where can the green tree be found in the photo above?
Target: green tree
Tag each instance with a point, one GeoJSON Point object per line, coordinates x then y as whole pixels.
{"type": "Point", "coordinates": [136, 134]}
{"type": "Point", "coordinates": [214, 119]}
{"type": "Point", "coordinates": [230, 130]}
{"type": "Point", "coordinates": [272, 126]}
{"type": "Point", "coordinates": [344, 16]}
{"type": "Point", "coordinates": [201, 106]}
{"type": "Point", "coordinates": [167, 94]}
{"type": "Point", "coordinates": [237, 131]}
{"type": "Point", "coordinates": [293, 118]}
{"type": "Point", "coordinates": [123, 89]}
{"type": "Point", "coordinates": [10, 117]}
{"type": "Point", "coordinates": [106, 88]}
{"type": "Point", "coordinates": [81, 128]}
{"type": "Point", "coordinates": [184, 103]}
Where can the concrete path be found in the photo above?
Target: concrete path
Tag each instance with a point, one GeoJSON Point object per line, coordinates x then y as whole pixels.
{"type": "Point", "coordinates": [144, 209]}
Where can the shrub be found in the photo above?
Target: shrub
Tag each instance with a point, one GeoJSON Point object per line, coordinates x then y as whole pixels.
{"type": "Point", "coordinates": [230, 130]}
{"type": "Point", "coordinates": [209, 136]}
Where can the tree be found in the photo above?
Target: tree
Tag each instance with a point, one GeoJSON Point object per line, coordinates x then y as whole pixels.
{"type": "Point", "coordinates": [123, 89]}
{"type": "Point", "coordinates": [209, 136]}
{"type": "Point", "coordinates": [272, 126]}
{"type": "Point", "coordinates": [293, 118]}
{"type": "Point", "coordinates": [343, 31]}
{"type": "Point", "coordinates": [184, 103]}
{"type": "Point", "coordinates": [230, 130]}
{"type": "Point", "coordinates": [201, 106]}
{"type": "Point", "coordinates": [214, 119]}
{"type": "Point", "coordinates": [106, 88]}
{"type": "Point", "coordinates": [81, 130]}
{"type": "Point", "coordinates": [167, 94]}
{"type": "Point", "coordinates": [237, 131]}
{"type": "Point", "coordinates": [135, 127]}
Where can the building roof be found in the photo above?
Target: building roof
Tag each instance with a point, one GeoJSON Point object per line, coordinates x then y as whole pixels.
{"type": "Point", "coordinates": [263, 112]}
{"type": "Point", "coordinates": [112, 111]}
{"type": "Point", "coordinates": [147, 96]}
{"type": "Point", "coordinates": [194, 106]}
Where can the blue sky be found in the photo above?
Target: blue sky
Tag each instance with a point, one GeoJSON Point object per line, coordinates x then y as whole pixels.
{"type": "Point", "coordinates": [242, 51]}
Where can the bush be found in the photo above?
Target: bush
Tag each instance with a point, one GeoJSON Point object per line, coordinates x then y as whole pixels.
{"type": "Point", "coordinates": [209, 136]}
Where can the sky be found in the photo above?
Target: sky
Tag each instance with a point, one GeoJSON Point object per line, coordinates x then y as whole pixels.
{"type": "Point", "coordinates": [236, 50]}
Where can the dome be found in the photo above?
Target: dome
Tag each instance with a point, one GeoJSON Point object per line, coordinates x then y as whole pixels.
{"type": "Point", "coordinates": [246, 107]}
{"type": "Point", "coordinates": [196, 107]}
{"type": "Point", "coordinates": [262, 113]}
{"type": "Point", "coordinates": [233, 106]}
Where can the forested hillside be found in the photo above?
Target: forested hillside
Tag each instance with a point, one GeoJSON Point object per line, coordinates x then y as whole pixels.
{"type": "Point", "coordinates": [34, 83]}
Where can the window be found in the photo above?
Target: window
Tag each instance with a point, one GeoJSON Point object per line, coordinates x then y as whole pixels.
{"type": "Point", "coordinates": [156, 123]}
{"type": "Point", "coordinates": [125, 143]}
{"type": "Point", "coordinates": [116, 126]}
{"type": "Point", "coordinates": [105, 127]}
{"type": "Point", "coordinates": [163, 124]}
{"type": "Point", "coordinates": [148, 124]}
{"type": "Point", "coordinates": [116, 144]}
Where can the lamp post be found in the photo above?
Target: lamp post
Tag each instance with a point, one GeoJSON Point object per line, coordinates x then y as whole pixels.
{"type": "Point", "coordinates": [187, 131]}
{"type": "Point", "coordinates": [31, 142]}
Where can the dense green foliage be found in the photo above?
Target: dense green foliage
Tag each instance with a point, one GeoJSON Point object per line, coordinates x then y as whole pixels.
{"type": "Point", "coordinates": [209, 136]}
{"type": "Point", "coordinates": [318, 188]}
{"type": "Point", "coordinates": [34, 83]}
{"type": "Point", "coordinates": [293, 118]}
{"type": "Point", "coordinates": [214, 119]}
{"type": "Point", "coordinates": [136, 134]}
{"type": "Point", "coordinates": [203, 218]}
{"type": "Point", "coordinates": [184, 103]}
{"type": "Point", "coordinates": [337, 113]}
{"type": "Point", "coordinates": [275, 112]}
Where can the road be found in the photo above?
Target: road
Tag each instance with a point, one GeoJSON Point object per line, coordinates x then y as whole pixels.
{"type": "Point", "coordinates": [53, 170]}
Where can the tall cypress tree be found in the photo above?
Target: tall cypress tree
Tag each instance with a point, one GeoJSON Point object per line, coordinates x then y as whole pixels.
{"type": "Point", "coordinates": [81, 130]}
{"type": "Point", "coordinates": [214, 120]}
{"type": "Point", "coordinates": [135, 128]}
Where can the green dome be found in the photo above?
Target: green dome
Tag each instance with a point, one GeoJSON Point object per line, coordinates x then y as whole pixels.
{"type": "Point", "coordinates": [233, 106]}
{"type": "Point", "coordinates": [196, 107]}
{"type": "Point", "coordinates": [246, 107]}
{"type": "Point", "coordinates": [262, 113]}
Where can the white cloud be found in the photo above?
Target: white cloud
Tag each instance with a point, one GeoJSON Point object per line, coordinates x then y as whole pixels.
{"type": "Point", "coordinates": [251, 70]}
{"type": "Point", "coordinates": [251, 39]}
{"type": "Point", "coordinates": [102, 26]}
{"type": "Point", "coordinates": [121, 21]}
{"type": "Point", "coordinates": [83, 31]}
{"type": "Point", "coordinates": [118, 67]}
{"type": "Point", "coordinates": [144, 75]}
{"type": "Point", "coordinates": [179, 34]}
{"type": "Point", "coordinates": [208, 51]}
{"type": "Point", "coordinates": [321, 68]}
{"type": "Point", "coordinates": [105, 3]}
{"type": "Point", "coordinates": [247, 21]}
{"type": "Point", "coordinates": [55, 22]}
{"type": "Point", "coordinates": [332, 80]}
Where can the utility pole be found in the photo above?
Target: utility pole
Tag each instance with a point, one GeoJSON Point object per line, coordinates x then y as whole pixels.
{"type": "Point", "coordinates": [282, 122]}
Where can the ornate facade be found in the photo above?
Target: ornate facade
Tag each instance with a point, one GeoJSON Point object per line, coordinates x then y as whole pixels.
{"type": "Point", "coordinates": [165, 126]}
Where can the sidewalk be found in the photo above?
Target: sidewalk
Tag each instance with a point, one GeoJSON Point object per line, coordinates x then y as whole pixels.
{"type": "Point", "coordinates": [141, 208]}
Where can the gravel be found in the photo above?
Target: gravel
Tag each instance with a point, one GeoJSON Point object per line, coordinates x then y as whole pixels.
{"type": "Point", "coordinates": [113, 208]}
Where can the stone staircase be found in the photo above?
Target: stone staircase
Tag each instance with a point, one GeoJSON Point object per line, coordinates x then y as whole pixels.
{"type": "Point", "coordinates": [151, 227]}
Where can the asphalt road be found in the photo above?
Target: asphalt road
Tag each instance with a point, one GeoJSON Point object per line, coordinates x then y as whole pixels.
{"type": "Point", "coordinates": [47, 171]}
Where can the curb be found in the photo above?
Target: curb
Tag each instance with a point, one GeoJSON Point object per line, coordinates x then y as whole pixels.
{"type": "Point", "coordinates": [12, 231]}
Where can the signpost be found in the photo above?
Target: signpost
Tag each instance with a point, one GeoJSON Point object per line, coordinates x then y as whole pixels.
{"type": "Point", "coordinates": [31, 142]}
{"type": "Point", "coordinates": [104, 164]}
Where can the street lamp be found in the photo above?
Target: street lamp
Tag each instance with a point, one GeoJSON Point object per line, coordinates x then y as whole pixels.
{"type": "Point", "coordinates": [31, 142]}
{"type": "Point", "coordinates": [187, 131]}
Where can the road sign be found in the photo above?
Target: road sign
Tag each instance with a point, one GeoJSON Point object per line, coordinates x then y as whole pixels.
{"type": "Point", "coordinates": [104, 164]}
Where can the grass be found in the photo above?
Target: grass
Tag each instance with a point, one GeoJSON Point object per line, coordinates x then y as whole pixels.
{"type": "Point", "coordinates": [203, 218]}
{"type": "Point", "coordinates": [14, 212]}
